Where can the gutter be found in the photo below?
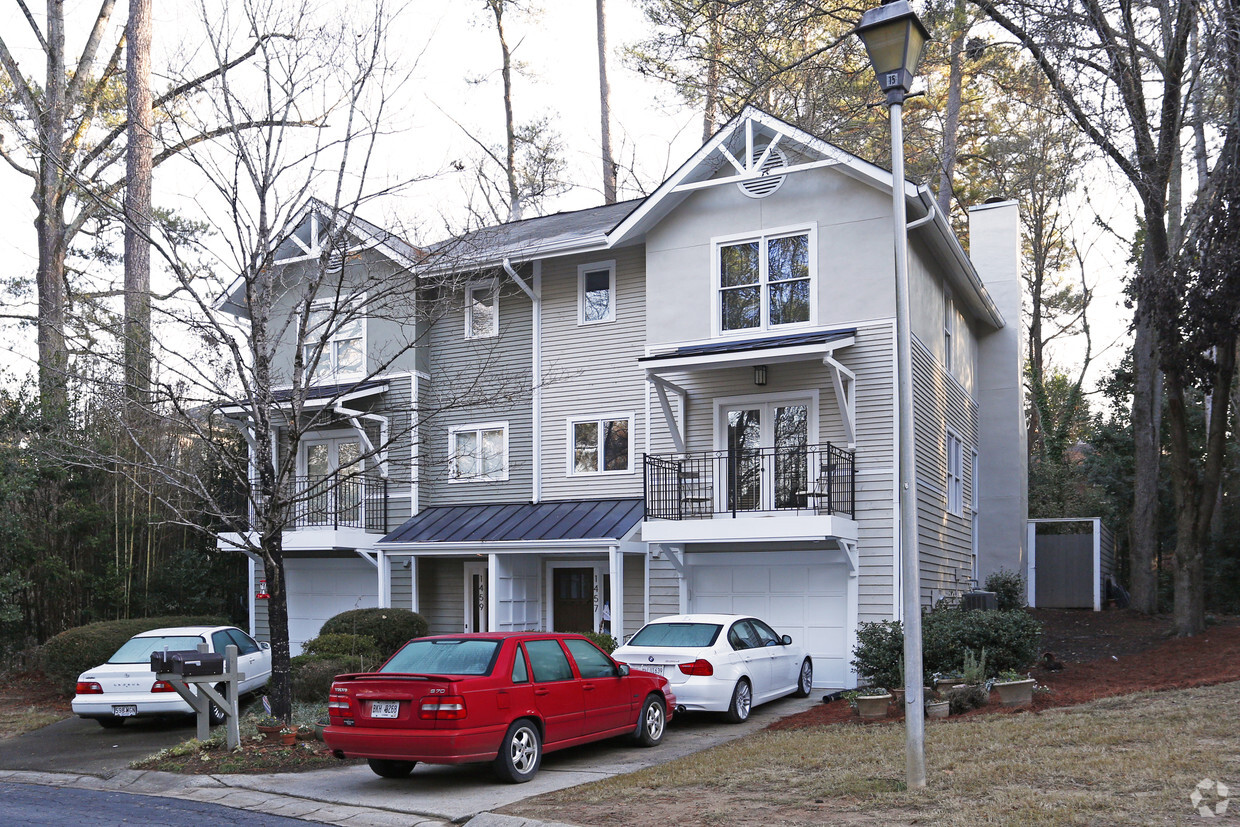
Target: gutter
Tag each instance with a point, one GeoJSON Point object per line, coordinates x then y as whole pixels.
{"type": "Point", "coordinates": [535, 294]}
{"type": "Point", "coordinates": [964, 264]}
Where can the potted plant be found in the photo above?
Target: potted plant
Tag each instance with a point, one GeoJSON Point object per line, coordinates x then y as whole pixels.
{"type": "Point", "coordinates": [319, 725]}
{"type": "Point", "coordinates": [269, 726]}
{"type": "Point", "coordinates": [1014, 688]}
{"type": "Point", "coordinates": [872, 702]}
{"type": "Point", "coordinates": [288, 736]}
{"type": "Point", "coordinates": [937, 708]}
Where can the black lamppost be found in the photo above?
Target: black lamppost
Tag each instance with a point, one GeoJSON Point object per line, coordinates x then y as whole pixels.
{"type": "Point", "coordinates": [894, 37]}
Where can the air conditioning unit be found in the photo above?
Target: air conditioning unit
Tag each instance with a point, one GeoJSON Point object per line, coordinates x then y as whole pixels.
{"type": "Point", "coordinates": [979, 600]}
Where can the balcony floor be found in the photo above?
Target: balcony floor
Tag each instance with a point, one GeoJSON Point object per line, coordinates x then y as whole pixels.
{"type": "Point", "coordinates": [750, 527]}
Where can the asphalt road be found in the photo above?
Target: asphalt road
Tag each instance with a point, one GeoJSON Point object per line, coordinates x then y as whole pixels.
{"type": "Point", "coordinates": [29, 804]}
{"type": "Point", "coordinates": [79, 745]}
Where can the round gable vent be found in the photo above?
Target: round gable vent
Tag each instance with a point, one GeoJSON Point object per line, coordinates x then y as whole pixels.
{"type": "Point", "coordinates": [767, 184]}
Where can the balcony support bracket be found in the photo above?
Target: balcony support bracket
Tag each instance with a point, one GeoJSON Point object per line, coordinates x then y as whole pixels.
{"type": "Point", "coordinates": [844, 381]}
{"type": "Point", "coordinates": [849, 547]}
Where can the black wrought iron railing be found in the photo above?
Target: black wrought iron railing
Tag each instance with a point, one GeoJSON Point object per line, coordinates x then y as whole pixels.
{"type": "Point", "coordinates": [339, 501]}
{"type": "Point", "coordinates": [815, 479]}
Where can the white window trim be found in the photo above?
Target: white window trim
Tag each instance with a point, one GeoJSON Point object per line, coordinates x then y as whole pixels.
{"type": "Point", "coordinates": [322, 437]}
{"type": "Point", "coordinates": [949, 330]}
{"type": "Point", "coordinates": [346, 307]}
{"type": "Point", "coordinates": [476, 427]}
{"type": "Point", "coordinates": [493, 286]}
{"type": "Point", "coordinates": [953, 486]}
{"type": "Point", "coordinates": [570, 460]}
{"type": "Point", "coordinates": [722, 404]}
{"type": "Point", "coordinates": [610, 267]}
{"type": "Point", "coordinates": [762, 236]}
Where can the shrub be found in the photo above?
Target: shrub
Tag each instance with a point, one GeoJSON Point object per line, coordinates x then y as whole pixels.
{"type": "Point", "coordinates": [1010, 640]}
{"type": "Point", "coordinates": [390, 628]}
{"type": "Point", "coordinates": [879, 653]}
{"type": "Point", "coordinates": [963, 698]}
{"type": "Point", "coordinates": [1009, 589]}
{"type": "Point", "coordinates": [603, 641]}
{"type": "Point", "coordinates": [312, 674]}
{"type": "Point", "coordinates": [362, 647]}
{"type": "Point", "coordinates": [73, 651]}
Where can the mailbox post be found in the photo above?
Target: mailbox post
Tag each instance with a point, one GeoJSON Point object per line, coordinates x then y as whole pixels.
{"type": "Point", "coordinates": [201, 700]}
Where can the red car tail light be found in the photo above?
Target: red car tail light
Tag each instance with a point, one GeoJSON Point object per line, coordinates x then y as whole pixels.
{"type": "Point", "coordinates": [443, 708]}
{"type": "Point", "coordinates": [162, 686]}
{"type": "Point", "coordinates": [700, 667]}
{"type": "Point", "coordinates": [338, 704]}
{"type": "Point", "coordinates": [88, 688]}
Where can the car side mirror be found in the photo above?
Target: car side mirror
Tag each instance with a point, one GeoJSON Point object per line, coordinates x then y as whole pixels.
{"type": "Point", "coordinates": [264, 645]}
{"type": "Point", "coordinates": [786, 640]}
{"type": "Point", "coordinates": [624, 669]}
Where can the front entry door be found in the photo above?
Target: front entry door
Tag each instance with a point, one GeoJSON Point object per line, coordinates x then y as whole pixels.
{"type": "Point", "coordinates": [766, 459]}
{"type": "Point", "coordinates": [476, 597]}
{"type": "Point", "coordinates": [573, 596]}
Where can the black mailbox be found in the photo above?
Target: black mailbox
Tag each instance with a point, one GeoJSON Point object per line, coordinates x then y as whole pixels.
{"type": "Point", "coordinates": [188, 662]}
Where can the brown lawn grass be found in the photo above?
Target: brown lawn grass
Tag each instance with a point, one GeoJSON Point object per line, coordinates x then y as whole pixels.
{"type": "Point", "coordinates": [1132, 759]}
{"type": "Point", "coordinates": [18, 721]}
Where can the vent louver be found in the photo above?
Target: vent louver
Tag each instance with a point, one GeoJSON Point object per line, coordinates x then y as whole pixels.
{"type": "Point", "coordinates": [767, 184]}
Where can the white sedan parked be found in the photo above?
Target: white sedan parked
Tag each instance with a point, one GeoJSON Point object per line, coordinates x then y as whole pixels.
{"type": "Point", "coordinates": [125, 687]}
{"type": "Point", "coordinates": [720, 663]}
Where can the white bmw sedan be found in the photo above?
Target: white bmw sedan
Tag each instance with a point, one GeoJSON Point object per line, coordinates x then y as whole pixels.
{"type": "Point", "coordinates": [125, 687]}
{"type": "Point", "coordinates": [720, 663]}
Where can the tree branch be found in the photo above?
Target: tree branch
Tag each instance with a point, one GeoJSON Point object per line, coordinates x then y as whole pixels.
{"type": "Point", "coordinates": [19, 82]}
{"type": "Point", "coordinates": [33, 26]}
{"type": "Point", "coordinates": [13, 163]}
{"type": "Point", "coordinates": [88, 54]}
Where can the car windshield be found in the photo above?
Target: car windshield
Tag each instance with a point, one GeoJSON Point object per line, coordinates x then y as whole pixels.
{"type": "Point", "coordinates": [140, 649]}
{"type": "Point", "coordinates": [688, 635]}
{"type": "Point", "coordinates": [444, 657]}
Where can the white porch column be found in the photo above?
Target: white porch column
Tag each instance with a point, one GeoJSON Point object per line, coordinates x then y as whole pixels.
{"type": "Point", "coordinates": [615, 563]}
{"type": "Point", "coordinates": [413, 583]}
{"type": "Point", "coordinates": [492, 584]}
{"type": "Point", "coordinates": [252, 591]}
{"type": "Point", "coordinates": [384, 564]}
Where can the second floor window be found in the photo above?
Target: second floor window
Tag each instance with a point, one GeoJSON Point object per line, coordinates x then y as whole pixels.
{"type": "Point", "coordinates": [343, 350]}
{"type": "Point", "coordinates": [481, 311]}
{"type": "Point", "coordinates": [478, 453]}
{"type": "Point", "coordinates": [765, 282]}
{"type": "Point", "coordinates": [596, 292]}
{"type": "Point", "coordinates": [599, 446]}
{"type": "Point", "coordinates": [955, 475]}
{"type": "Point", "coordinates": [949, 331]}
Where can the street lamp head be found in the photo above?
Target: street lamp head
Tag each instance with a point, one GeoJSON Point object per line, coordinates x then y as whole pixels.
{"type": "Point", "coordinates": [894, 37]}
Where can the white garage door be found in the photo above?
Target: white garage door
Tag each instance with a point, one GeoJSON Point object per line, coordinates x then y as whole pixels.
{"type": "Point", "coordinates": [795, 594]}
{"type": "Point", "coordinates": [321, 588]}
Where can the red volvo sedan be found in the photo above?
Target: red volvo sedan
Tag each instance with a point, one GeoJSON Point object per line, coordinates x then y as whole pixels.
{"type": "Point", "coordinates": [504, 698]}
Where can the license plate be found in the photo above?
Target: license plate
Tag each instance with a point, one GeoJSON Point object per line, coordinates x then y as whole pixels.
{"type": "Point", "coordinates": [127, 711]}
{"type": "Point", "coordinates": [651, 667]}
{"type": "Point", "coordinates": [384, 709]}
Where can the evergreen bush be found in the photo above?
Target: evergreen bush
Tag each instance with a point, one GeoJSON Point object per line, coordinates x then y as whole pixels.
{"type": "Point", "coordinates": [1009, 589]}
{"type": "Point", "coordinates": [390, 628]}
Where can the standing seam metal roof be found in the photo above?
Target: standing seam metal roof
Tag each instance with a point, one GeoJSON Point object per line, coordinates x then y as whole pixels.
{"type": "Point", "coordinates": [508, 522]}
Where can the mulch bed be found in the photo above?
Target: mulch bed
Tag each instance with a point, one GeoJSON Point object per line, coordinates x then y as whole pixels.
{"type": "Point", "coordinates": [1150, 662]}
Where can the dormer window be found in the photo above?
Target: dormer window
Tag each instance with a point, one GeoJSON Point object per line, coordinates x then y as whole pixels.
{"type": "Point", "coordinates": [765, 282]}
{"type": "Point", "coordinates": [341, 333]}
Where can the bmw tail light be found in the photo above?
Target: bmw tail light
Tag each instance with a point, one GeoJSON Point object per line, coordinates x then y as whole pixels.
{"type": "Point", "coordinates": [88, 688]}
{"type": "Point", "coordinates": [700, 667]}
{"type": "Point", "coordinates": [162, 686]}
{"type": "Point", "coordinates": [442, 708]}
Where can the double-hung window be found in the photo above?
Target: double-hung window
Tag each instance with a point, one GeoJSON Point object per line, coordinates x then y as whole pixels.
{"type": "Point", "coordinates": [600, 446]}
{"type": "Point", "coordinates": [337, 335]}
{"type": "Point", "coordinates": [949, 330]}
{"type": "Point", "coordinates": [596, 293]}
{"type": "Point", "coordinates": [478, 453]}
{"type": "Point", "coordinates": [765, 282]}
{"type": "Point", "coordinates": [481, 311]}
{"type": "Point", "coordinates": [955, 475]}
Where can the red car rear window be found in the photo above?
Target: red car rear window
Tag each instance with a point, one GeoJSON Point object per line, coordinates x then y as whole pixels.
{"type": "Point", "coordinates": [445, 657]}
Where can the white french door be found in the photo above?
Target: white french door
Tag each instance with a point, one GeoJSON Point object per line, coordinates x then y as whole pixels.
{"type": "Point", "coordinates": [329, 465]}
{"type": "Point", "coordinates": [763, 460]}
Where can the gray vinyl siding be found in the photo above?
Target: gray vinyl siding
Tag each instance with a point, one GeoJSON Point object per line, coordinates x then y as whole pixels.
{"type": "Point", "coordinates": [477, 381]}
{"type": "Point", "coordinates": [945, 540]}
{"type": "Point", "coordinates": [634, 589]}
{"type": "Point", "coordinates": [441, 594]}
{"type": "Point", "coordinates": [664, 588]}
{"type": "Point", "coordinates": [401, 583]}
{"type": "Point", "coordinates": [592, 370]}
{"type": "Point", "coordinates": [871, 358]}
{"type": "Point", "coordinates": [262, 628]}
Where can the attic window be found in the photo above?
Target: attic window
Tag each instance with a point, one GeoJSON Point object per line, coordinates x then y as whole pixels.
{"type": "Point", "coordinates": [767, 184]}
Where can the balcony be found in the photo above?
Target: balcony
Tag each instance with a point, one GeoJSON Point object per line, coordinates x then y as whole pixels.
{"type": "Point", "coordinates": [339, 501]}
{"type": "Point", "coordinates": [734, 494]}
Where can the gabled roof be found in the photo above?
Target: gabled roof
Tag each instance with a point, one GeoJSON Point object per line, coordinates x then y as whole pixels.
{"type": "Point", "coordinates": [599, 520]}
{"type": "Point", "coordinates": [529, 238]}
{"type": "Point", "coordinates": [370, 235]}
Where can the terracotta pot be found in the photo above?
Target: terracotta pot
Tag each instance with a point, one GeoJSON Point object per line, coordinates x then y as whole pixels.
{"type": "Point", "coordinates": [873, 706]}
{"type": "Point", "coordinates": [288, 738]}
{"type": "Point", "coordinates": [937, 709]}
{"type": "Point", "coordinates": [1016, 693]}
{"type": "Point", "coordinates": [270, 733]}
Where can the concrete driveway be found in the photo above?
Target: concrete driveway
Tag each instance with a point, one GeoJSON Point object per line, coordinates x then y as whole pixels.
{"type": "Point", "coordinates": [82, 746]}
{"type": "Point", "coordinates": [456, 793]}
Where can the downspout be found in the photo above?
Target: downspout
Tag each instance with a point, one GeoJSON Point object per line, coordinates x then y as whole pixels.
{"type": "Point", "coordinates": [535, 294]}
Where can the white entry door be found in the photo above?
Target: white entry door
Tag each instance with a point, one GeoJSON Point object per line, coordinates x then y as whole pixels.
{"type": "Point", "coordinates": [476, 597]}
{"type": "Point", "coordinates": [333, 497]}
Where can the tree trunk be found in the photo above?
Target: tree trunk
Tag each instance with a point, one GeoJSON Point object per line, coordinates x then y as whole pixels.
{"type": "Point", "coordinates": [951, 119]}
{"type": "Point", "coordinates": [1146, 428]}
{"type": "Point", "coordinates": [604, 88]}
{"type": "Point", "coordinates": [514, 193]}
{"type": "Point", "coordinates": [137, 329]}
{"type": "Point", "coordinates": [710, 112]}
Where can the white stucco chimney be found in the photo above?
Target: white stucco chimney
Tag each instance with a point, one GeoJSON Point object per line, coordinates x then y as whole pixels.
{"type": "Point", "coordinates": [1003, 465]}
